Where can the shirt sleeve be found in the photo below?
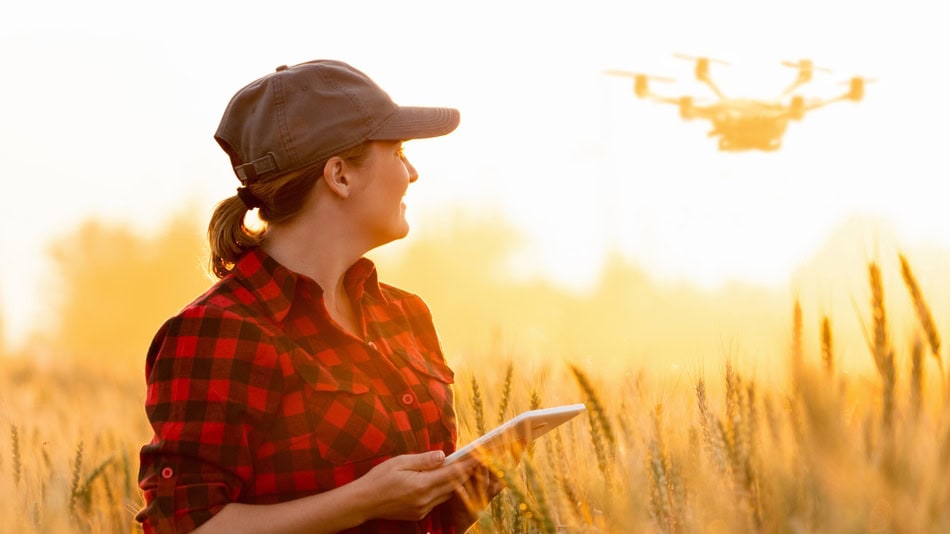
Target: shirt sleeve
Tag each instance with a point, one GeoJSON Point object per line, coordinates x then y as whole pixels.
{"type": "Point", "coordinates": [212, 378]}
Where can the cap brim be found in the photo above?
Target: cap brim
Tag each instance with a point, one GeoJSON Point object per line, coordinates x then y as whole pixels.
{"type": "Point", "coordinates": [417, 123]}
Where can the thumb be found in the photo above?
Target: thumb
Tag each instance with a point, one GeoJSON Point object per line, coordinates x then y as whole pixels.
{"type": "Point", "coordinates": [425, 461]}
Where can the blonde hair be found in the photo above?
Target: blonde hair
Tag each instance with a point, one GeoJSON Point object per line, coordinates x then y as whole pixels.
{"type": "Point", "coordinates": [281, 198]}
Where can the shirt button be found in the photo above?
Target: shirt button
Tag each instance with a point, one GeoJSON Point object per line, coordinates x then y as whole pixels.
{"type": "Point", "coordinates": [167, 472]}
{"type": "Point", "coordinates": [408, 399]}
{"type": "Point", "coordinates": [372, 345]}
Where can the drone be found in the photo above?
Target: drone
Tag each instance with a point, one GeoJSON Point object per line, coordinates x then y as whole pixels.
{"type": "Point", "coordinates": [741, 123]}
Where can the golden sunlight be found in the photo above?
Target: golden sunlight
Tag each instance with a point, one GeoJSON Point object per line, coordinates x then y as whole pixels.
{"type": "Point", "coordinates": [716, 224]}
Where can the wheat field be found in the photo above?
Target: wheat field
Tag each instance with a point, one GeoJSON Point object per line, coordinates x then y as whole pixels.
{"type": "Point", "coordinates": [724, 451]}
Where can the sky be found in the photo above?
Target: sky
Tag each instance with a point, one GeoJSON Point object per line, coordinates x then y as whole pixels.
{"type": "Point", "coordinates": [107, 109]}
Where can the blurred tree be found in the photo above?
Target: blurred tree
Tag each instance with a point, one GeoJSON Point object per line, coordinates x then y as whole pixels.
{"type": "Point", "coordinates": [464, 267]}
{"type": "Point", "coordinates": [114, 288]}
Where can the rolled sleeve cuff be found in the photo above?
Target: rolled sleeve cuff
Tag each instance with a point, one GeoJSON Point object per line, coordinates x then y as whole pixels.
{"type": "Point", "coordinates": [173, 507]}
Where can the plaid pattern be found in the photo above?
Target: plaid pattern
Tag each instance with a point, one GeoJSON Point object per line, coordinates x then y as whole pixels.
{"type": "Point", "coordinates": [255, 396]}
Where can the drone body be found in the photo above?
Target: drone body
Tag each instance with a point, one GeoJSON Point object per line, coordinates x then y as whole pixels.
{"type": "Point", "coordinates": [742, 123]}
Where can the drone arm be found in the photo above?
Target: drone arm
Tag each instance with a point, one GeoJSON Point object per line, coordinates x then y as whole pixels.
{"type": "Point", "coordinates": [709, 82]}
{"type": "Point", "coordinates": [794, 85]}
{"type": "Point", "coordinates": [822, 103]}
{"type": "Point", "coordinates": [855, 93]}
{"type": "Point", "coordinates": [687, 108]}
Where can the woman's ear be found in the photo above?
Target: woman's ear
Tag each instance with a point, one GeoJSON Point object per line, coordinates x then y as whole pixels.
{"type": "Point", "coordinates": [336, 176]}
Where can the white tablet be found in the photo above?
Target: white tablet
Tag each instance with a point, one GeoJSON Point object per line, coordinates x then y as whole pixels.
{"type": "Point", "coordinates": [523, 428]}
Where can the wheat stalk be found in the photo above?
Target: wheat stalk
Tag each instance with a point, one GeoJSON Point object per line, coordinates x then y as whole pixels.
{"type": "Point", "coordinates": [541, 507]}
{"type": "Point", "coordinates": [597, 408]}
{"type": "Point", "coordinates": [578, 507]}
{"type": "Point", "coordinates": [17, 461]}
{"type": "Point", "coordinates": [827, 346]}
{"type": "Point", "coordinates": [916, 376]}
{"type": "Point", "coordinates": [797, 354]}
{"type": "Point", "coordinates": [479, 407]}
{"type": "Point", "coordinates": [734, 430]}
{"type": "Point", "coordinates": [881, 349]}
{"type": "Point", "coordinates": [505, 393]}
{"type": "Point", "coordinates": [772, 418]}
{"type": "Point", "coordinates": [535, 404]}
{"type": "Point", "coordinates": [83, 493]}
{"type": "Point", "coordinates": [712, 439]}
{"type": "Point", "coordinates": [522, 508]}
{"type": "Point", "coordinates": [667, 495]}
{"type": "Point", "coordinates": [599, 427]}
{"type": "Point", "coordinates": [659, 492]}
{"type": "Point", "coordinates": [77, 470]}
{"type": "Point", "coordinates": [923, 313]}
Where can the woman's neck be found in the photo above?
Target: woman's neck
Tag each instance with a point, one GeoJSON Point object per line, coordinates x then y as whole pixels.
{"type": "Point", "coordinates": [322, 256]}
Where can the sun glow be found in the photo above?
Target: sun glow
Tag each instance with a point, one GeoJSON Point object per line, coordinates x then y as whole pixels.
{"type": "Point", "coordinates": [569, 156]}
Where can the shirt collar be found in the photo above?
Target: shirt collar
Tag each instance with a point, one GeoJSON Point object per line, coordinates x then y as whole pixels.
{"type": "Point", "coordinates": [276, 286]}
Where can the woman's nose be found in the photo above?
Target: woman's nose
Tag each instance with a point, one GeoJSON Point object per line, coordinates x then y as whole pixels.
{"type": "Point", "coordinates": [413, 175]}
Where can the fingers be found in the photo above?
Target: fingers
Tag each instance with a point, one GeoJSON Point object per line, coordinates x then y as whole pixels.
{"type": "Point", "coordinates": [422, 462]}
{"type": "Point", "coordinates": [452, 476]}
{"type": "Point", "coordinates": [473, 483]}
{"type": "Point", "coordinates": [431, 460]}
{"type": "Point", "coordinates": [444, 482]}
{"type": "Point", "coordinates": [413, 484]}
{"type": "Point", "coordinates": [475, 492]}
{"type": "Point", "coordinates": [440, 484]}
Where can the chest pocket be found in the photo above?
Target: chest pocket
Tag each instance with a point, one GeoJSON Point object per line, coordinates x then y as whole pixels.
{"type": "Point", "coordinates": [435, 380]}
{"type": "Point", "coordinates": [429, 364]}
{"type": "Point", "coordinates": [348, 422]}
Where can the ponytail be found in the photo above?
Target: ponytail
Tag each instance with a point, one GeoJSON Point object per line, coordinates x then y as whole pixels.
{"type": "Point", "coordinates": [229, 238]}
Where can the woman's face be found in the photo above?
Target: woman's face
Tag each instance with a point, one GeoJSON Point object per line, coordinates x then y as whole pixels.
{"type": "Point", "coordinates": [381, 183]}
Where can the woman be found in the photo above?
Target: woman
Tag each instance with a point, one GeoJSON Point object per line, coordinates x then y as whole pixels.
{"type": "Point", "coordinates": [299, 394]}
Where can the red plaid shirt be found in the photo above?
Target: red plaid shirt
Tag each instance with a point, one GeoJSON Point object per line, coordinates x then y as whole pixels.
{"type": "Point", "coordinates": [257, 396]}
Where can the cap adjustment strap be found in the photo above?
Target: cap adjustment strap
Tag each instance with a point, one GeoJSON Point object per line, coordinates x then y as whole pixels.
{"type": "Point", "coordinates": [252, 171]}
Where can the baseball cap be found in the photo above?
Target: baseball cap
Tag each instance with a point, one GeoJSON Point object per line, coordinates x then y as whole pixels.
{"type": "Point", "coordinates": [300, 115]}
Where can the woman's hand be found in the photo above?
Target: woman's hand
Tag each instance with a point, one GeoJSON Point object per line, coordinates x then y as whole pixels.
{"type": "Point", "coordinates": [408, 487]}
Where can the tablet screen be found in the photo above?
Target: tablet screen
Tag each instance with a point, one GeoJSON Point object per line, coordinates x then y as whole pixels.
{"type": "Point", "coordinates": [521, 429]}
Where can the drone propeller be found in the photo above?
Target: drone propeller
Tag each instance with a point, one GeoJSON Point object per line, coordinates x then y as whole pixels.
{"type": "Point", "coordinates": [804, 65]}
{"type": "Point", "coordinates": [697, 58]}
{"type": "Point", "coordinates": [806, 68]}
{"type": "Point", "coordinates": [641, 81]}
{"type": "Point", "coordinates": [630, 74]}
{"type": "Point", "coordinates": [701, 71]}
{"type": "Point", "coordinates": [858, 79]}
